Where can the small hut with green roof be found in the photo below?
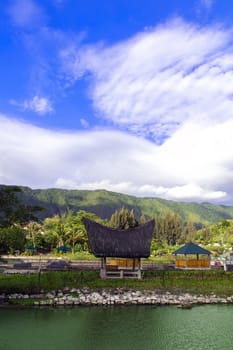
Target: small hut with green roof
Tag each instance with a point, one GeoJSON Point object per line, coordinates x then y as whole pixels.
{"type": "Point", "coordinates": [192, 256]}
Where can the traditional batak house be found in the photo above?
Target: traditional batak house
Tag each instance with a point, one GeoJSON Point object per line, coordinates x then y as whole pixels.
{"type": "Point", "coordinates": [120, 250]}
{"type": "Point", "coordinates": [192, 256]}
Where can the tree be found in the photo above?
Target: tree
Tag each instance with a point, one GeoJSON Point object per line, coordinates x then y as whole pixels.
{"type": "Point", "coordinates": [142, 219]}
{"type": "Point", "coordinates": [55, 226]}
{"type": "Point", "coordinates": [191, 231]}
{"type": "Point", "coordinates": [76, 234]}
{"type": "Point", "coordinates": [68, 229]}
{"type": "Point", "coordinates": [123, 219]}
{"type": "Point", "coordinates": [12, 210]}
{"type": "Point", "coordinates": [11, 239]}
{"type": "Point", "coordinates": [204, 234]}
{"type": "Point", "coordinates": [33, 230]}
{"type": "Point", "coordinates": [168, 228]}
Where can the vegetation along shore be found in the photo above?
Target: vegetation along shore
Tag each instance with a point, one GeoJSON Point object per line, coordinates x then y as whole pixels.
{"type": "Point", "coordinates": [86, 288]}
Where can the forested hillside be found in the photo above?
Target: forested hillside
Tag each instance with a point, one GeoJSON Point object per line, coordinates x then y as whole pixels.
{"type": "Point", "coordinates": [61, 221]}
{"type": "Point", "coordinates": [103, 203]}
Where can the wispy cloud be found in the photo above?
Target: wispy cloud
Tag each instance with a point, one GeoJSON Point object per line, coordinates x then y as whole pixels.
{"type": "Point", "coordinates": [207, 3]}
{"type": "Point", "coordinates": [84, 123]}
{"type": "Point", "coordinates": [157, 80]}
{"type": "Point", "coordinates": [25, 13]}
{"type": "Point", "coordinates": [40, 105]}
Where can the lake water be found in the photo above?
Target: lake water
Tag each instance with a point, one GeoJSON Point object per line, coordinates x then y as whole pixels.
{"type": "Point", "coordinates": [117, 328]}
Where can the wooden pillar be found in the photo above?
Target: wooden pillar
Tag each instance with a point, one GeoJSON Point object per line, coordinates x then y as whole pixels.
{"type": "Point", "coordinates": [176, 259]}
{"type": "Point", "coordinates": [133, 263]}
{"type": "Point", "coordinates": [103, 267]}
{"type": "Point", "coordinates": [139, 269]}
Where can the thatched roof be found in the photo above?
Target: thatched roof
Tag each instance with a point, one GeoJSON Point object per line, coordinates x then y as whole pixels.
{"type": "Point", "coordinates": [109, 242]}
{"type": "Point", "coordinates": [192, 248]}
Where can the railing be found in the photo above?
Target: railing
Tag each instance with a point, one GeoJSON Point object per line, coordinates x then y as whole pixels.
{"type": "Point", "coordinates": [7, 264]}
{"type": "Point", "coordinates": [122, 263]}
{"type": "Point", "coordinates": [192, 263]}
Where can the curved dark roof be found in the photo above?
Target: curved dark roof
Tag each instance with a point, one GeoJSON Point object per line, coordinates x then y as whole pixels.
{"type": "Point", "coordinates": [109, 242]}
{"type": "Point", "coordinates": [191, 248]}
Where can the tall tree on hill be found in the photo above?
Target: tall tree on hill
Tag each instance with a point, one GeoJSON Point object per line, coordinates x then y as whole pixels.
{"type": "Point", "coordinates": [168, 228]}
{"type": "Point", "coordinates": [189, 232]}
{"type": "Point", "coordinates": [123, 219]}
{"type": "Point", "coordinates": [142, 219]}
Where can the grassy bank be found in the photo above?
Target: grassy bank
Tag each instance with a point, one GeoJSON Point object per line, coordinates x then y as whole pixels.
{"type": "Point", "coordinates": [195, 282]}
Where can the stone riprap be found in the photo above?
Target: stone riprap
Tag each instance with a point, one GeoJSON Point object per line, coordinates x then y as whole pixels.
{"type": "Point", "coordinates": [118, 296]}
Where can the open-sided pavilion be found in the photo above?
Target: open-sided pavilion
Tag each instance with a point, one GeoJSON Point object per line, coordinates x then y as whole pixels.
{"type": "Point", "coordinates": [192, 256]}
{"type": "Point", "coordinates": [120, 250]}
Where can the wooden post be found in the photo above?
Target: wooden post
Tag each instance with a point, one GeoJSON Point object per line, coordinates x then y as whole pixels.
{"type": "Point", "coordinates": [139, 269]}
{"type": "Point", "coordinates": [39, 272]}
{"type": "Point", "coordinates": [103, 267]}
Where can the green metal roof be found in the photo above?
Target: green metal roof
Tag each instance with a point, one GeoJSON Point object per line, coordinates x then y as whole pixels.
{"type": "Point", "coordinates": [192, 248]}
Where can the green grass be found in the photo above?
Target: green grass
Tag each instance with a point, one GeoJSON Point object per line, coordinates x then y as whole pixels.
{"type": "Point", "coordinates": [195, 282]}
{"type": "Point", "coordinates": [27, 302]}
{"type": "Point", "coordinates": [164, 259]}
{"type": "Point", "coordinates": [79, 256]}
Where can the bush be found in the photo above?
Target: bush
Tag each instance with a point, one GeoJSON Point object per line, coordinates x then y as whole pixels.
{"type": "Point", "coordinates": [11, 239]}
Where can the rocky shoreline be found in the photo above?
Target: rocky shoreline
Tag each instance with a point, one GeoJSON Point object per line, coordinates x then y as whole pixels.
{"type": "Point", "coordinates": [105, 297]}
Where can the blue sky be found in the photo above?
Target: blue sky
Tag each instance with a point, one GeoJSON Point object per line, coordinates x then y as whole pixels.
{"type": "Point", "coordinates": [130, 96]}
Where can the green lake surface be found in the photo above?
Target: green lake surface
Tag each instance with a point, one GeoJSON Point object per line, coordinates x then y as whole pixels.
{"type": "Point", "coordinates": [117, 328]}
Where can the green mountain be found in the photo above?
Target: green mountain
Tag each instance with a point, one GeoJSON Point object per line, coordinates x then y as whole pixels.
{"type": "Point", "coordinates": [103, 203]}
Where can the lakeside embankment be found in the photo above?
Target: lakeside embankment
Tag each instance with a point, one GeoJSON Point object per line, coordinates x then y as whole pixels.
{"type": "Point", "coordinates": [86, 288]}
{"type": "Point", "coordinates": [105, 297]}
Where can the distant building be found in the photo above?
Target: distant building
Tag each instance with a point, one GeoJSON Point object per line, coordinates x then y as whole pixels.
{"type": "Point", "coordinates": [192, 256]}
{"type": "Point", "coordinates": [120, 250]}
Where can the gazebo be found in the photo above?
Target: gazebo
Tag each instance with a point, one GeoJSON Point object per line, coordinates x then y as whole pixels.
{"type": "Point", "coordinates": [192, 256]}
{"type": "Point", "coordinates": [120, 250]}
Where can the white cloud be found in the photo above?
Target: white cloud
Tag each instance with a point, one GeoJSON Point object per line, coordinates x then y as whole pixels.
{"type": "Point", "coordinates": [40, 105]}
{"type": "Point", "coordinates": [25, 13]}
{"type": "Point", "coordinates": [84, 123]}
{"type": "Point", "coordinates": [159, 79]}
{"type": "Point", "coordinates": [190, 192]}
{"type": "Point", "coordinates": [196, 163]}
{"type": "Point", "coordinates": [207, 3]}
